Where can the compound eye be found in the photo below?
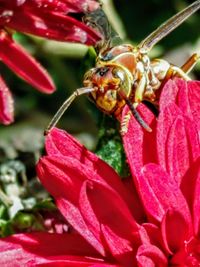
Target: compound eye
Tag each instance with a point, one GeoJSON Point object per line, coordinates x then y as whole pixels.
{"type": "Point", "coordinates": [102, 71]}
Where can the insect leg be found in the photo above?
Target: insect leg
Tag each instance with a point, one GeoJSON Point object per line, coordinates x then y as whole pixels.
{"type": "Point", "coordinates": [65, 105]}
{"type": "Point", "coordinates": [134, 112]}
{"type": "Point", "coordinates": [180, 73]}
{"type": "Point", "coordinates": [190, 63]}
{"type": "Point", "coordinates": [124, 123]}
{"type": "Point", "coordinates": [139, 91]}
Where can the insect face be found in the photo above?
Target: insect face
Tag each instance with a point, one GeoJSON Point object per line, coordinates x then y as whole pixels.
{"type": "Point", "coordinates": [109, 82]}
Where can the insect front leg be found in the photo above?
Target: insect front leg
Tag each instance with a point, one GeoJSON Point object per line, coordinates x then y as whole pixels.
{"type": "Point", "coordinates": [124, 123]}
{"type": "Point", "coordinates": [136, 115]}
{"type": "Point", "coordinates": [139, 92]}
{"type": "Point", "coordinates": [190, 63]}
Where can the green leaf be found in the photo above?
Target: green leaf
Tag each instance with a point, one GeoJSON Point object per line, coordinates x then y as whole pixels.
{"type": "Point", "coordinates": [5, 228]}
{"type": "Point", "coordinates": [110, 147]}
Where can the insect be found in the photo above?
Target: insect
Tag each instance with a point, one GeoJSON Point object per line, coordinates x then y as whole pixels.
{"type": "Point", "coordinates": [125, 75]}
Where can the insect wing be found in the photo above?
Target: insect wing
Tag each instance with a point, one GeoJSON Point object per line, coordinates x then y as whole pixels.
{"type": "Point", "coordinates": [167, 27]}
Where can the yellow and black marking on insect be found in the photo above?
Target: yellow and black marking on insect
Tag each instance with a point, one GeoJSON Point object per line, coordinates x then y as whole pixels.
{"type": "Point", "coordinates": [125, 75]}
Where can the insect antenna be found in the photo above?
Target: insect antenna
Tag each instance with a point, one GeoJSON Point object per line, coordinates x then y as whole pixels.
{"type": "Point", "coordinates": [65, 105]}
{"type": "Point", "coordinates": [135, 114]}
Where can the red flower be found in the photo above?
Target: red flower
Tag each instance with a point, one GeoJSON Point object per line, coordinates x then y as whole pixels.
{"type": "Point", "coordinates": [44, 18]}
{"type": "Point", "coordinates": [165, 169]}
{"type": "Point", "coordinates": [49, 19]}
{"type": "Point", "coordinates": [6, 103]}
{"type": "Point", "coordinates": [174, 143]}
{"type": "Point", "coordinates": [110, 216]}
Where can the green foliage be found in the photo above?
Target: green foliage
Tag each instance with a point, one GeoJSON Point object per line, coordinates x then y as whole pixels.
{"type": "Point", "coordinates": [110, 147]}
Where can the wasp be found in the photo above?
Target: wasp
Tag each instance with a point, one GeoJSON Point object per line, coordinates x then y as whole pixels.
{"type": "Point", "coordinates": [124, 74]}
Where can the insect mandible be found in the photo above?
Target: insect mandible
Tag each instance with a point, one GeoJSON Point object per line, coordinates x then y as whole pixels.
{"type": "Point", "coordinates": [124, 74]}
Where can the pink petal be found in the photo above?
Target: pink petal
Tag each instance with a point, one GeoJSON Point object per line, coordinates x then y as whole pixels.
{"type": "Point", "coordinates": [102, 205]}
{"type": "Point", "coordinates": [75, 262]}
{"type": "Point", "coordinates": [24, 65]}
{"type": "Point", "coordinates": [196, 201]}
{"type": "Point", "coordinates": [177, 142]}
{"type": "Point", "coordinates": [154, 234]}
{"type": "Point", "coordinates": [169, 94]}
{"type": "Point", "coordinates": [44, 248]}
{"type": "Point", "coordinates": [6, 104]}
{"type": "Point", "coordinates": [60, 143]}
{"type": "Point", "coordinates": [190, 188]}
{"type": "Point", "coordinates": [140, 145]}
{"type": "Point", "coordinates": [119, 247]}
{"type": "Point", "coordinates": [67, 172]}
{"type": "Point", "coordinates": [67, 6]}
{"type": "Point", "coordinates": [194, 100]}
{"type": "Point", "coordinates": [159, 192]}
{"type": "Point", "coordinates": [59, 173]}
{"type": "Point", "coordinates": [133, 197]}
{"type": "Point", "coordinates": [75, 218]}
{"type": "Point", "coordinates": [52, 25]}
{"type": "Point", "coordinates": [185, 95]}
{"type": "Point", "coordinates": [175, 230]}
{"type": "Point", "coordinates": [150, 256]}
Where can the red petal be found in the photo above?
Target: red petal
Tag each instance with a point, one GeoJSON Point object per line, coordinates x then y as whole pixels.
{"type": "Point", "coordinates": [194, 100]}
{"type": "Point", "coordinates": [191, 191]}
{"type": "Point", "coordinates": [24, 65]}
{"type": "Point", "coordinates": [177, 141]}
{"type": "Point", "coordinates": [59, 173]}
{"type": "Point", "coordinates": [154, 234]}
{"type": "Point", "coordinates": [196, 201]}
{"type": "Point", "coordinates": [66, 172]}
{"type": "Point", "coordinates": [99, 204]}
{"type": "Point", "coordinates": [185, 94]}
{"type": "Point", "coordinates": [60, 143]}
{"type": "Point", "coordinates": [160, 192]}
{"type": "Point", "coordinates": [133, 197]}
{"type": "Point", "coordinates": [75, 218]}
{"type": "Point", "coordinates": [6, 104]}
{"type": "Point", "coordinates": [76, 262]}
{"type": "Point", "coordinates": [123, 251]}
{"type": "Point", "coordinates": [149, 255]}
{"type": "Point", "coordinates": [52, 25]}
{"type": "Point", "coordinates": [175, 230]}
{"type": "Point", "coordinates": [140, 145]}
{"type": "Point", "coordinates": [67, 6]}
{"type": "Point", "coordinates": [44, 248]}
{"type": "Point", "coordinates": [169, 94]}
